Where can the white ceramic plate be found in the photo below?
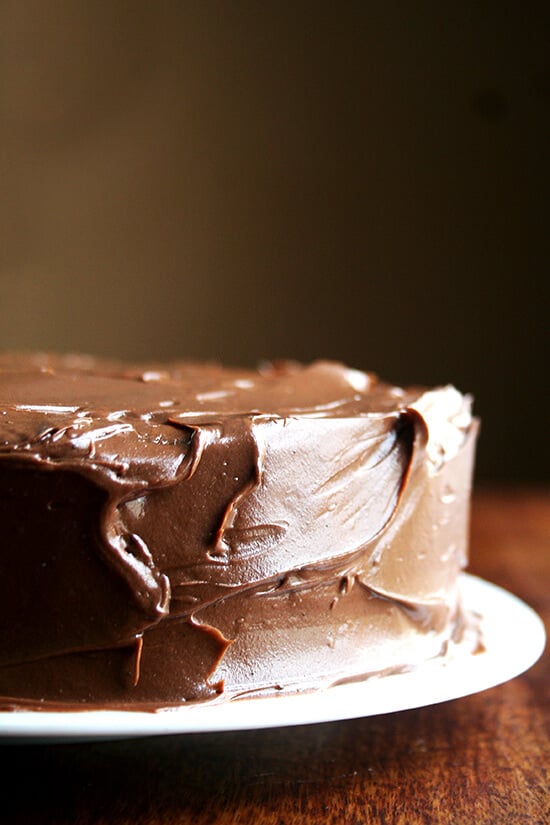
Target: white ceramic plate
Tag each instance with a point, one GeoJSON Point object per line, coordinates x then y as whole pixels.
{"type": "Point", "coordinates": [513, 636]}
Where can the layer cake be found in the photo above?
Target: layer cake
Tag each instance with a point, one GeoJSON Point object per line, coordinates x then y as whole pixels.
{"type": "Point", "coordinates": [187, 532]}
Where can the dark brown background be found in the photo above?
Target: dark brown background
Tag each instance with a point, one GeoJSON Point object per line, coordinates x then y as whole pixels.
{"type": "Point", "coordinates": [244, 180]}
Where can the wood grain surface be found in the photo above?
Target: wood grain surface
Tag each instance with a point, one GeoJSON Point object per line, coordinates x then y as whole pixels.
{"type": "Point", "coordinates": [481, 759]}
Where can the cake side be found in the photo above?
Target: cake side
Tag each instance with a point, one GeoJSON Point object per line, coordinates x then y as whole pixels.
{"type": "Point", "coordinates": [181, 532]}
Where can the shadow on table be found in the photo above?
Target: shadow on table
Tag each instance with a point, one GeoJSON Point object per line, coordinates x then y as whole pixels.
{"type": "Point", "coordinates": [240, 776]}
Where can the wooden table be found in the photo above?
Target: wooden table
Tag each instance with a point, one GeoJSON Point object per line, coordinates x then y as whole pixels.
{"type": "Point", "coordinates": [482, 759]}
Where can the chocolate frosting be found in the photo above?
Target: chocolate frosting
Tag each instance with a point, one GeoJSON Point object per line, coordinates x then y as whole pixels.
{"type": "Point", "coordinates": [186, 531]}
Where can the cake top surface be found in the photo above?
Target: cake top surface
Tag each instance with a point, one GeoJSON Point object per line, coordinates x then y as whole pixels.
{"type": "Point", "coordinates": [75, 406]}
{"type": "Point", "coordinates": [67, 384]}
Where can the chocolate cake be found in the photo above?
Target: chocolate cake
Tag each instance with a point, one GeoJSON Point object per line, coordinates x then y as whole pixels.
{"type": "Point", "coordinates": [185, 532]}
